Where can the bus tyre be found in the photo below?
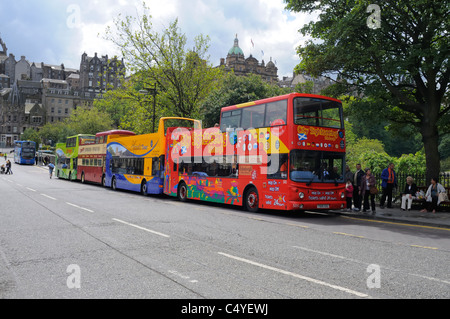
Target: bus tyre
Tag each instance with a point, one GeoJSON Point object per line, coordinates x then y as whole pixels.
{"type": "Point", "coordinates": [103, 181]}
{"type": "Point", "coordinates": [182, 192]}
{"type": "Point", "coordinates": [144, 187]}
{"type": "Point", "coordinates": [251, 199]}
{"type": "Point", "coordinates": [113, 184]}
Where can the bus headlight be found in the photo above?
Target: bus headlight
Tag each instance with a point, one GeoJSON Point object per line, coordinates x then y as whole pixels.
{"type": "Point", "coordinates": [301, 195]}
{"type": "Point", "coordinates": [342, 195]}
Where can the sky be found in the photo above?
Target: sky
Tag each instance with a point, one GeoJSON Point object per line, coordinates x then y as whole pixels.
{"type": "Point", "coordinates": [60, 31]}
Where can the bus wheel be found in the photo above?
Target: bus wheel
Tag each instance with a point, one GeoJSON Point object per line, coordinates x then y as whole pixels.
{"type": "Point", "coordinates": [182, 192]}
{"type": "Point", "coordinates": [103, 181]}
{"type": "Point", "coordinates": [144, 187]}
{"type": "Point", "coordinates": [83, 180]}
{"type": "Point", "coordinates": [251, 199]}
{"type": "Point", "coordinates": [113, 184]}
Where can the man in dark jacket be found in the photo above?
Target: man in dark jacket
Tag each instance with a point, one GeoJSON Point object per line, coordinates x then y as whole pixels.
{"type": "Point", "coordinates": [356, 187]}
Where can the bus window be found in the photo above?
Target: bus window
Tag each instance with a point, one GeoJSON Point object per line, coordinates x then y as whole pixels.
{"type": "Point", "coordinates": [230, 119]}
{"type": "Point", "coordinates": [155, 166]}
{"type": "Point", "coordinates": [317, 112]}
{"type": "Point", "coordinates": [253, 117]}
{"type": "Point", "coordinates": [282, 170]}
{"type": "Point", "coordinates": [310, 166]}
{"type": "Point", "coordinates": [276, 113]}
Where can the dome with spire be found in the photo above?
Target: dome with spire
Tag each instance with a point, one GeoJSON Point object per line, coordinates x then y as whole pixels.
{"type": "Point", "coordinates": [236, 50]}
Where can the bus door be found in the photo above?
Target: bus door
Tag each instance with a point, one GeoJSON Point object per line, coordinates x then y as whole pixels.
{"type": "Point", "coordinates": [156, 184]}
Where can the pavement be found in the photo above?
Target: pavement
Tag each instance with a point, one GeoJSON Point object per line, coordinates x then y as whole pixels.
{"type": "Point", "coordinates": [397, 215]}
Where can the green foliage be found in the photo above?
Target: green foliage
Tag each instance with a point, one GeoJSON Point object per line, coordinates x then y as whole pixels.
{"type": "Point", "coordinates": [444, 147]}
{"type": "Point", "coordinates": [370, 121]}
{"type": "Point", "coordinates": [180, 71]}
{"type": "Point", "coordinates": [306, 87]}
{"type": "Point", "coordinates": [368, 153]}
{"type": "Point", "coordinates": [52, 133]}
{"type": "Point", "coordinates": [235, 90]}
{"type": "Point", "coordinates": [375, 161]}
{"type": "Point", "coordinates": [82, 121]}
{"type": "Point", "coordinates": [412, 163]}
{"type": "Point", "coordinates": [88, 121]}
{"type": "Point", "coordinates": [402, 63]}
{"type": "Point", "coordinates": [31, 135]}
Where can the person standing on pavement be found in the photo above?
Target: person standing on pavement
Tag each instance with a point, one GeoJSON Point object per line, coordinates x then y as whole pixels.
{"type": "Point", "coordinates": [356, 186]}
{"type": "Point", "coordinates": [348, 174]}
{"type": "Point", "coordinates": [367, 182]}
{"type": "Point", "coordinates": [388, 183]}
{"type": "Point", "coordinates": [349, 194]}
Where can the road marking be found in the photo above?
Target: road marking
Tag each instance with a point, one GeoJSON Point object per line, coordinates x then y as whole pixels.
{"type": "Point", "coordinates": [142, 228]}
{"type": "Point", "coordinates": [182, 276]}
{"type": "Point", "coordinates": [315, 281]}
{"type": "Point", "coordinates": [330, 255]}
{"type": "Point", "coordinates": [427, 247]}
{"type": "Point", "coordinates": [366, 263]}
{"type": "Point", "coordinates": [395, 223]}
{"type": "Point", "coordinates": [48, 196]}
{"type": "Point", "coordinates": [88, 210]}
{"type": "Point", "coordinates": [297, 225]}
{"type": "Point", "coordinates": [30, 189]}
{"type": "Point", "coordinates": [350, 235]}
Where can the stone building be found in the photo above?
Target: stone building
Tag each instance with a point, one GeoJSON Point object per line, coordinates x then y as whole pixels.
{"type": "Point", "coordinates": [98, 74]}
{"type": "Point", "coordinates": [318, 83]}
{"type": "Point", "coordinates": [33, 94]}
{"type": "Point", "coordinates": [242, 66]}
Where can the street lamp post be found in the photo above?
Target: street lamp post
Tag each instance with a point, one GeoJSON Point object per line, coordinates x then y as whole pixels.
{"type": "Point", "coordinates": [152, 91]}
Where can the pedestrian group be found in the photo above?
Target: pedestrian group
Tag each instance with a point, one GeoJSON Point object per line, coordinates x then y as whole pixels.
{"type": "Point", "coordinates": [6, 168]}
{"type": "Point", "coordinates": [361, 188]}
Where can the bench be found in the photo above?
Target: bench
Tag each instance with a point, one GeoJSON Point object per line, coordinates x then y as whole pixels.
{"type": "Point", "coordinates": [445, 205]}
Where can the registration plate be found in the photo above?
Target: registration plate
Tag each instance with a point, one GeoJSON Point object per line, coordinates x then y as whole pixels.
{"type": "Point", "coordinates": [323, 206]}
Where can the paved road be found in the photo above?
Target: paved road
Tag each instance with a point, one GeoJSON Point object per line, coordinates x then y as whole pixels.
{"type": "Point", "coordinates": [61, 239]}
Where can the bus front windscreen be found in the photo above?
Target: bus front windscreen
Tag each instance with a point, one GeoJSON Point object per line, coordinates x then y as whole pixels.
{"type": "Point", "coordinates": [28, 152]}
{"type": "Point", "coordinates": [317, 112]}
{"type": "Point", "coordinates": [316, 167]}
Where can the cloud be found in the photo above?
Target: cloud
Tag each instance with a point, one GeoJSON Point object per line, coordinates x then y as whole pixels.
{"type": "Point", "coordinates": [58, 32]}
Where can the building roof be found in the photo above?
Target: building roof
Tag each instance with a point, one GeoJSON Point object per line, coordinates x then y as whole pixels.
{"type": "Point", "coordinates": [236, 49]}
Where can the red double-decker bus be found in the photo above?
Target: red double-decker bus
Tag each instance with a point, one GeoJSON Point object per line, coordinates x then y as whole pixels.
{"type": "Point", "coordinates": [285, 152]}
{"type": "Point", "coordinates": [91, 157]}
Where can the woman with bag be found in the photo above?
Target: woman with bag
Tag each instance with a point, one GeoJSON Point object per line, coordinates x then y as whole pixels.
{"type": "Point", "coordinates": [433, 196]}
{"type": "Point", "coordinates": [368, 188]}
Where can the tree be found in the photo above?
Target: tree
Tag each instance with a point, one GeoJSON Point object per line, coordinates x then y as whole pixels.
{"type": "Point", "coordinates": [182, 76]}
{"type": "Point", "coordinates": [235, 90]}
{"type": "Point", "coordinates": [128, 108]}
{"type": "Point", "coordinates": [31, 135]}
{"type": "Point", "coordinates": [371, 122]}
{"type": "Point", "coordinates": [397, 51]}
{"type": "Point", "coordinates": [85, 120]}
{"type": "Point", "coordinates": [52, 133]}
{"type": "Point", "coordinates": [82, 121]}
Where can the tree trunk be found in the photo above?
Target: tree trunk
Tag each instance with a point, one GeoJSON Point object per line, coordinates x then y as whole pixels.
{"type": "Point", "coordinates": [430, 138]}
